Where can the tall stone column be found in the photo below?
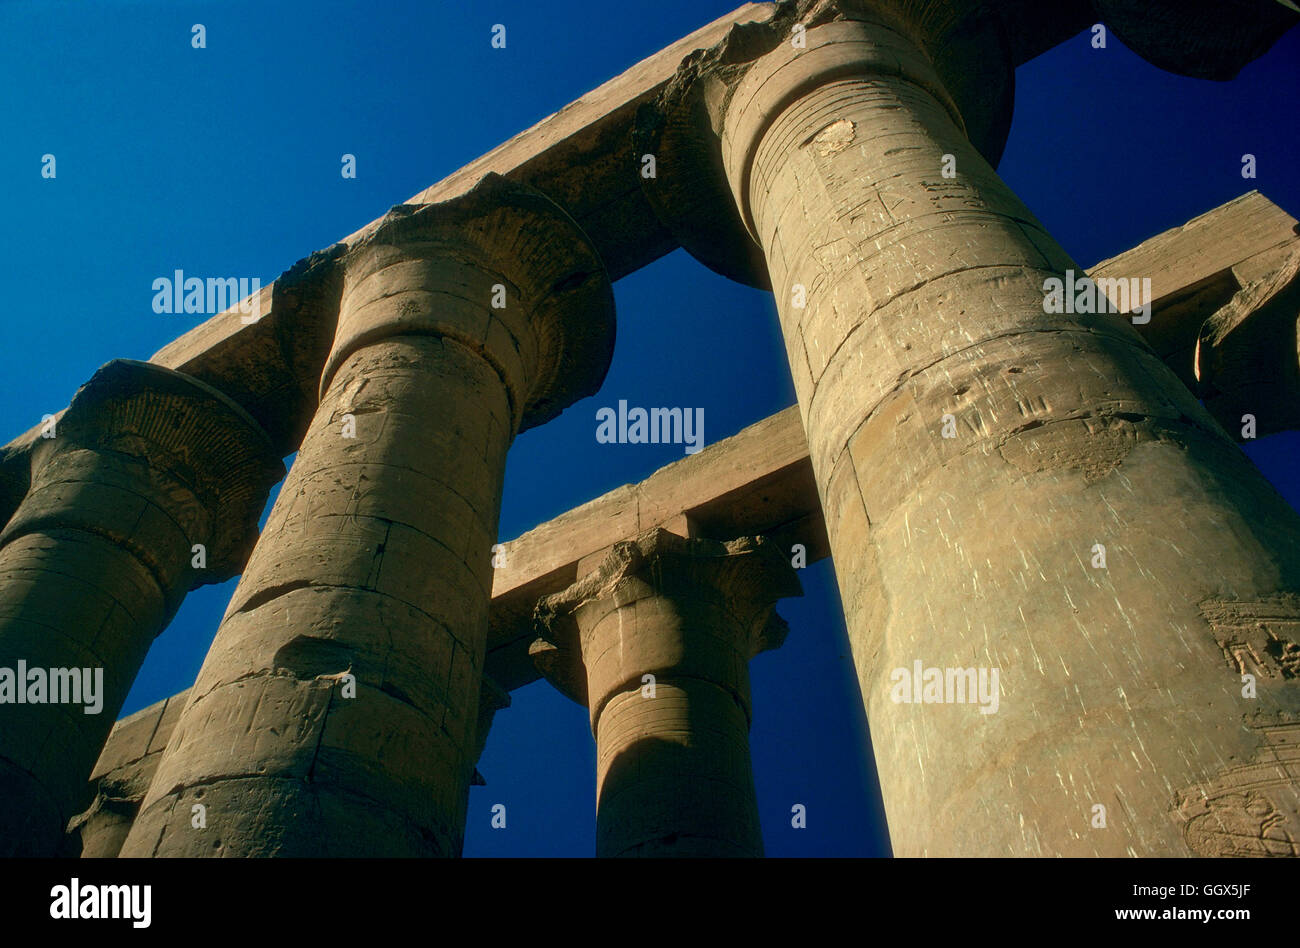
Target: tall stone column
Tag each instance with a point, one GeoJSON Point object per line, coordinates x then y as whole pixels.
{"type": "Point", "coordinates": [336, 713]}
{"type": "Point", "coordinates": [656, 643]}
{"type": "Point", "coordinates": [1007, 490]}
{"type": "Point", "coordinates": [144, 465]}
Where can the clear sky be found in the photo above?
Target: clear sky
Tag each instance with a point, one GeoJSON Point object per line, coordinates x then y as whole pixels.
{"type": "Point", "coordinates": [225, 161]}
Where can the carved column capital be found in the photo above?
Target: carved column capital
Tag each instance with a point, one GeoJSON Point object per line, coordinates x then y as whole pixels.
{"type": "Point", "coordinates": [502, 270]}
{"type": "Point", "coordinates": [705, 127]}
{"type": "Point", "coordinates": [701, 608]}
{"type": "Point", "coordinates": [155, 461]}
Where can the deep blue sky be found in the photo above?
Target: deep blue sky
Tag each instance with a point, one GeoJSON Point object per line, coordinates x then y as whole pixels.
{"type": "Point", "coordinates": [225, 161]}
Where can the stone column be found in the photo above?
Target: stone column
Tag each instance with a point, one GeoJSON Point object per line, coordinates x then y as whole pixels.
{"type": "Point", "coordinates": [975, 452]}
{"type": "Point", "coordinates": [144, 464]}
{"type": "Point", "coordinates": [336, 713]}
{"type": "Point", "coordinates": [673, 773]}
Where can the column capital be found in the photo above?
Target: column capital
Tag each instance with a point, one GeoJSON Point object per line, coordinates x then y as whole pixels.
{"type": "Point", "coordinates": [1204, 39]}
{"type": "Point", "coordinates": [142, 430]}
{"type": "Point", "coordinates": [502, 270]}
{"type": "Point", "coordinates": [706, 125]}
{"type": "Point", "coordinates": [710, 610]}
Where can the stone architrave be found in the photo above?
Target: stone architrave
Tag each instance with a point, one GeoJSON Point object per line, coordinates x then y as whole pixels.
{"type": "Point", "coordinates": [656, 643]}
{"type": "Point", "coordinates": [1248, 356]}
{"type": "Point", "coordinates": [337, 711]}
{"type": "Point", "coordinates": [1011, 486]}
{"type": "Point", "coordinates": [151, 485]}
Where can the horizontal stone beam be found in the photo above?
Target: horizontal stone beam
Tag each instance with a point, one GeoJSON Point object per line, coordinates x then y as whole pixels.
{"type": "Point", "coordinates": [756, 482]}
{"type": "Point", "coordinates": [582, 157]}
{"type": "Point", "coordinates": [1247, 357]}
{"type": "Point", "coordinates": [1196, 268]}
{"type": "Point", "coordinates": [122, 776]}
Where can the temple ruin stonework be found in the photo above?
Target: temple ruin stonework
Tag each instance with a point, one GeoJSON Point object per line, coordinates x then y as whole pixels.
{"type": "Point", "coordinates": [956, 446]}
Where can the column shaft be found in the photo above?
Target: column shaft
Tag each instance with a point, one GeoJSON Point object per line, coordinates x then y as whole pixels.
{"type": "Point", "coordinates": [369, 565]}
{"type": "Point", "coordinates": [337, 711]}
{"type": "Point", "coordinates": [68, 600]}
{"type": "Point", "coordinates": [924, 311]}
{"type": "Point", "coordinates": [673, 773]}
{"type": "Point", "coordinates": [1013, 484]}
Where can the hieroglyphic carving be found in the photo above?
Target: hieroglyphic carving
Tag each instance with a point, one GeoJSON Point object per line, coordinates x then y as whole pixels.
{"type": "Point", "coordinates": [1252, 809]}
{"type": "Point", "coordinates": [1260, 638]}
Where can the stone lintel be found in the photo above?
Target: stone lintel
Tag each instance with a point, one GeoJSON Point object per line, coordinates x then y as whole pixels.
{"type": "Point", "coordinates": [1247, 360]}
{"type": "Point", "coordinates": [1196, 267]}
{"type": "Point", "coordinates": [757, 482]}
